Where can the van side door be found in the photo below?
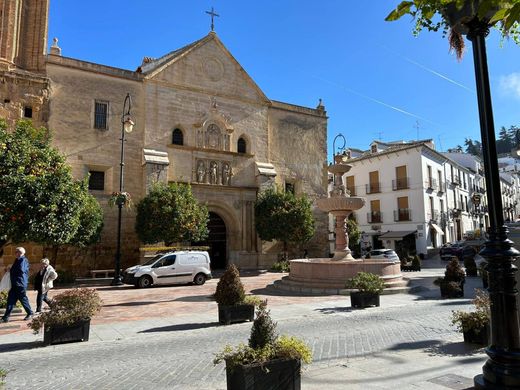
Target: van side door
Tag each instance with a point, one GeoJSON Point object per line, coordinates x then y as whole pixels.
{"type": "Point", "coordinates": [185, 268]}
{"type": "Point", "coordinates": [164, 269]}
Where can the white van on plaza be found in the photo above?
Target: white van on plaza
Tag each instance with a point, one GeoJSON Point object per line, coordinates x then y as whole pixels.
{"type": "Point", "coordinates": [176, 267]}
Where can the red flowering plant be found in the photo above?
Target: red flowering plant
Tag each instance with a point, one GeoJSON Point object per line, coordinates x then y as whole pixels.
{"type": "Point", "coordinates": [120, 198]}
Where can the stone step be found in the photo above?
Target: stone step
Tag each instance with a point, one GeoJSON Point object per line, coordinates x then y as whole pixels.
{"type": "Point", "coordinates": [287, 285]}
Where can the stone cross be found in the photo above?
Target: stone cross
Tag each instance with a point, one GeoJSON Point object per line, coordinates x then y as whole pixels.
{"type": "Point", "coordinates": [213, 14]}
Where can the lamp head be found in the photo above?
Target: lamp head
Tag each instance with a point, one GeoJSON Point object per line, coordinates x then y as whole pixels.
{"type": "Point", "coordinates": [128, 124]}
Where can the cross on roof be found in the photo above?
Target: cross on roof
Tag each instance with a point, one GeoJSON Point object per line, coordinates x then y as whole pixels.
{"type": "Point", "coordinates": [213, 14]}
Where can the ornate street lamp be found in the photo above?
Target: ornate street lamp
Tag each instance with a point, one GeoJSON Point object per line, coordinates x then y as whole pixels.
{"type": "Point", "coordinates": [502, 369]}
{"type": "Point", "coordinates": [127, 125]}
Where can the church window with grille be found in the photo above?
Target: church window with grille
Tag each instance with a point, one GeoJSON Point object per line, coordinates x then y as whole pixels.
{"type": "Point", "coordinates": [177, 137]}
{"type": "Point", "coordinates": [101, 115]}
{"type": "Point", "coordinates": [241, 145]}
{"type": "Point", "coordinates": [96, 180]}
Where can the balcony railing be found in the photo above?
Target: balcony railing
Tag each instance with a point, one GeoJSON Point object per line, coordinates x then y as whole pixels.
{"type": "Point", "coordinates": [442, 187]}
{"type": "Point", "coordinates": [434, 217]}
{"type": "Point", "coordinates": [455, 180]}
{"type": "Point", "coordinates": [400, 184]}
{"type": "Point", "coordinates": [402, 215]}
{"type": "Point", "coordinates": [375, 217]}
{"type": "Point", "coordinates": [372, 188]}
{"type": "Point", "coordinates": [431, 184]}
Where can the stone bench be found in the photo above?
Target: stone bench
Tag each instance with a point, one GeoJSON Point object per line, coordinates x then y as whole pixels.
{"type": "Point", "coordinates": [105, 272]}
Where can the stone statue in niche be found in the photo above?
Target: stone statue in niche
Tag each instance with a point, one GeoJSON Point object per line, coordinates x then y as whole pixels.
{"type": "Point", "coordinates": [213, 174]}
{"type": "Point", "coordinates": [201, 171]}
{"type": "Point", "coordinates": [226, 174]}
{"type": "Point", "coordinates": [200, 138]}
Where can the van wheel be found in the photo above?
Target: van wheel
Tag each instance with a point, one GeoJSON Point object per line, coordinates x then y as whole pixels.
{"type": "Point", "coordinates": [145, 281]}
{"type": "Point", "coordinates": [199, 279]}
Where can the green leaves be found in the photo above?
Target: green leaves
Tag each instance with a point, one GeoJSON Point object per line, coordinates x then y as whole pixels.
{"type": "Point", "coordinates": [39, 199]}
{"type": "Point", "coordinates": [402, 9]}
{"type": "Point", "coordinates": [284, 217]}
{"type": "Point", "coordinates": [170, 213]}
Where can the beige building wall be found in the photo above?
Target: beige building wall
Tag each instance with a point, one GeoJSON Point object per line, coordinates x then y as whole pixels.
{"type": "Point", "coordinates": [203, 91]}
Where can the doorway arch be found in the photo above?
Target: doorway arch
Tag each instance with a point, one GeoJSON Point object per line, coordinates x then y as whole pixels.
{"type": "Point", "coordinates": [216, 241]}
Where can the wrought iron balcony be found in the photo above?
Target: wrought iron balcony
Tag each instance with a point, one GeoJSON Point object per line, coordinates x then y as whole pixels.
{"type": "Point", "coordinates": [402, 215]}
{"type": "Point", "coordinates": [400, 184]}
{"type": "Point", "coordinates": [431, 184]}
{"type": "Point", "coordinates": [375, 217]}
{"type": "Point", "coordinates": [372, 188]}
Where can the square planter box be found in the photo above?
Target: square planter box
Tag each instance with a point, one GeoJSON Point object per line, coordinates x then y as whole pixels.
{"type": "Point", "coordinates": [280, 374]}
{"type": "Point", "coordinates": [364, 299]}
{"type": "Point", "coordinates": [447, 293]}
{"type": "Point", "coordinates": [477, 336]}
{"type": "Point", "coordinates": [78, 331]}
{"type": "Point", "coordinates": [235, 313]}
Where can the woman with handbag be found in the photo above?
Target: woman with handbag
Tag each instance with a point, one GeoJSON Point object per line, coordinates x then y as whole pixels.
{"type": "Point", "coordinates": [43, 283]}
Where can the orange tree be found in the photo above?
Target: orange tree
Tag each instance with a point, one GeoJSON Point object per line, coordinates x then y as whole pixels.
{"type": "Point", "coordinates": [170, 213]}
{"type": "Point", "coordinates": [284, 217]}
{"type": "Point", "coordinates": [40, 201]}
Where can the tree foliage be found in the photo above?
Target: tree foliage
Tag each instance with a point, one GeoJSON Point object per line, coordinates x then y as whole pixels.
{"type": "Point", "coordinates": [230, 290]}
{"type": "Point", "coordinates": [431, 15]}
{"type": "Point", "coordinates": [170, 213]}
{"type": "Point", "coordinates": [91, 223]}
{"type": "Point", "coordinates": [284, 217]}
{"type": "Point", "coordinates": [39, 199]}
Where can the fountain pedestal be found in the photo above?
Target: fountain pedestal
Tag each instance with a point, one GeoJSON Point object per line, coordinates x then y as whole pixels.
{"type": "Point", "coordinates": [330, 275]}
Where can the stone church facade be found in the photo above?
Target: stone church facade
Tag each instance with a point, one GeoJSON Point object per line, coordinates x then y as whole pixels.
{"type": "Point", "coordinates": [199, 119]}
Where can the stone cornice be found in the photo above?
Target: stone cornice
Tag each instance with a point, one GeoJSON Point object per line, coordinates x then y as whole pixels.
{"type": "Point", "coordinates": [92, 67]}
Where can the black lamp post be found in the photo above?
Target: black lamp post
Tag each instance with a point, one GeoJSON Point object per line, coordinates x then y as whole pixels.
{"type": "Point", "coordinates": [127, 126]}
{"type": "Point", "coordinates": [502, 369]}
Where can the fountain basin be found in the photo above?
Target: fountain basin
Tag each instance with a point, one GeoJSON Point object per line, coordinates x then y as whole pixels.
{"type": "Point", "coordinates": [340, 203]}
{"type": "Point", "coordinates": [327, 274]}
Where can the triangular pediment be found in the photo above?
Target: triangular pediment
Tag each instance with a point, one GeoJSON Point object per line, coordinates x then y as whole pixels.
{"type": "Point", "coordinates": [205, 65]}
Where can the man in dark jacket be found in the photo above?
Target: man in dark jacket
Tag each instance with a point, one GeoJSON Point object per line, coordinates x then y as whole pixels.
{"type": "Point", "coordinates": [19, 282]}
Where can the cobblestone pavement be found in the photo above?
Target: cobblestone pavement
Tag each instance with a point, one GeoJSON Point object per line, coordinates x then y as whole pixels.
{"type": "Point", "coordinates": [177, 352]}
{"type": "Point", "coordinates": [166, 338]}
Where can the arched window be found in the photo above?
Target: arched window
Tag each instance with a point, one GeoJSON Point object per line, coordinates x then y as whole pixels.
{"type": "Point", "coordinates": [177, 137]}
{"type": "Point", "coordinates": [241, 145]}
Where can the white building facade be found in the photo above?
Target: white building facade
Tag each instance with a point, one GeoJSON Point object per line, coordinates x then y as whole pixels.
{"type": "Point", "coordinates": [416, 198]}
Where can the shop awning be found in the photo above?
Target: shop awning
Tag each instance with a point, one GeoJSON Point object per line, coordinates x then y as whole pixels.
{"type": "Point", "coordinates": [396, 234]}
{"type": "Point", "coordinates": [437, 228]}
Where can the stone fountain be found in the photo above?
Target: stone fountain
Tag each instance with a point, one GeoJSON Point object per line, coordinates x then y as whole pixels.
{"type": "Point", "coordinates": [328, 275]}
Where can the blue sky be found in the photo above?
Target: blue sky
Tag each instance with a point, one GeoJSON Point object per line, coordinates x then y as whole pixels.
{"type": "Point", "coordinates": [376, 79]}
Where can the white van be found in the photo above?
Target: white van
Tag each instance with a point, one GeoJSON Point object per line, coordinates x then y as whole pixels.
{"type": "Point", "coordinates": [170, 268]}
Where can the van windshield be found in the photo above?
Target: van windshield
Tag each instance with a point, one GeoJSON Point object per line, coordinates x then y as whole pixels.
{"type": "Point", "coordinates": [153, 259]}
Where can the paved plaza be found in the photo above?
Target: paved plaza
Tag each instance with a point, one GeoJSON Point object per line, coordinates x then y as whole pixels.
{"type": "Point", "coordinates": [166, 338]}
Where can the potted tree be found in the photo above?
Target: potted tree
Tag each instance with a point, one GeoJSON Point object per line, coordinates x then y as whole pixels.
{"type": "Point", "coordinates": [233, 304]}
{"type": "Point", "coordinates": [369, 288]}
{"type": "Point", "coordinates": [69, 317]}
{"type": "Point", "coordinates": [452, 284]}
{"type": "Point", "coordinates": [474, 325]}
{"type": "Point", "coordinates": [268, 361]}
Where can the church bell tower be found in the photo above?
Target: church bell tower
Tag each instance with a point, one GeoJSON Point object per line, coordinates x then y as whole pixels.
{"type": "Point", "coordinates": [23, 34]}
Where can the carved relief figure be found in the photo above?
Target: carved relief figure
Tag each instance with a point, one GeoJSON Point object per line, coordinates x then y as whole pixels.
{"type": "Point", "coordinates": [226, 174]}
{"type": "Point", "coordinates": [200, 138]}
{"type": "Point", "coordinates": [213, 137]}
{"type": "Point", "coordinates": [213, 173]}
{"type": "Point", "coordinates": [201, 171]}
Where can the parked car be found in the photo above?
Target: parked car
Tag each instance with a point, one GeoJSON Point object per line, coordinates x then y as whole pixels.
{"type": "Point", "coordinates": [171, 268]}
{"type": "Point", "coordinates": [449, 250]}
{"type": "Point", "coordinates": [383, 254]}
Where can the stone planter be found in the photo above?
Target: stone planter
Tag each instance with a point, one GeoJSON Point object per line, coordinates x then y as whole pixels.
{"type": "Point", "coordinates": [280, 374]}
{"type": "Point", "coordinates": [362, 299]}
{"type": "Point", "coordinates": [447, 292]}
{"type": "Point", "coordinates": [235, 313]}
{"type": "Point", "coordinates": [477, 336]}
{"type": "Point", "coordinates": [78, 331]}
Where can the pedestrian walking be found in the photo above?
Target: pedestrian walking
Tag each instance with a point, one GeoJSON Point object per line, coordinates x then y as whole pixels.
{"type": "Point", "coordinates": [43, 283]}
{"type": "Point", "coordinates": [19, 282]}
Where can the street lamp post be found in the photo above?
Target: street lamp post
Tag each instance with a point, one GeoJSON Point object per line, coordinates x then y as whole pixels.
{"type": "Point", "coordinates": [502, 369]}
{"type": "Point", "coordinates": [127, 126]}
